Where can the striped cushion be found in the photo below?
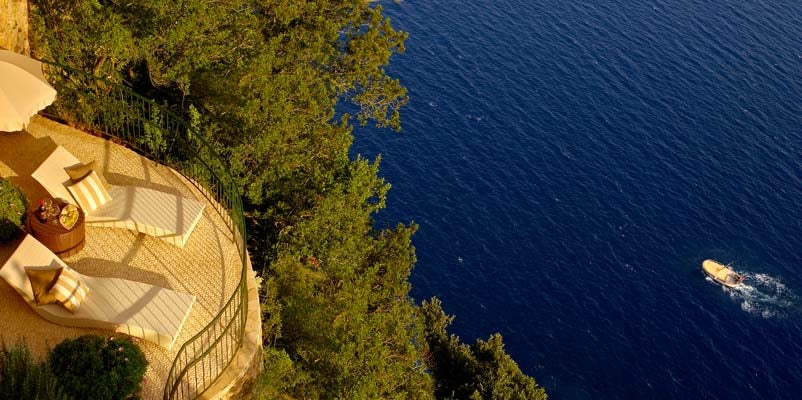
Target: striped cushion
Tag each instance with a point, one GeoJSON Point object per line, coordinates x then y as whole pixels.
{"type": "Point", "coordinates": [89, 192]}
{"type": "Point", "coordinates": [69, 290]}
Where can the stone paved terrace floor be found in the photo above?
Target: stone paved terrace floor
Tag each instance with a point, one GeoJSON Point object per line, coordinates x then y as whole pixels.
{"type": "Point", "coordinates": [208, 267]}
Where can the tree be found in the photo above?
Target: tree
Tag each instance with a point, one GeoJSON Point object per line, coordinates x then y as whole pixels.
{"type": "Point", "coordinates": [347, 319]}
{"type": "Point", "coordinates": [480, 371]}
{"type": "Point", "coordinates": [84, 35]}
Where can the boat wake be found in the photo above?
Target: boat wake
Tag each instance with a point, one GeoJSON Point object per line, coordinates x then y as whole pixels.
{"type": "Point", "coordinates": [764, 295]}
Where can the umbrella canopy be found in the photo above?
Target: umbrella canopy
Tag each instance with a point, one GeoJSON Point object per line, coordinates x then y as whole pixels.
{"type": "Point", "coordinates": [24, 91]}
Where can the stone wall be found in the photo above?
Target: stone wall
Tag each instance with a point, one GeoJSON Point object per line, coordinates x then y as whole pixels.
{"type": "Point", "coordinates": [14, 26]}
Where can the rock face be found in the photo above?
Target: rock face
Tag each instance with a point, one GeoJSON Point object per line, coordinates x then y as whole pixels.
{"type": "Point", "coordinates": [14, 26]}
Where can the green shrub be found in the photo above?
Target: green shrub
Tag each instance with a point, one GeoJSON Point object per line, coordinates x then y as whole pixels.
{"type": "Point", "coordinates": [23, 378]}
{"type": "Point", "coordinates": [99, 368]}
{"type": "Point", "coordinates": [13, 207]}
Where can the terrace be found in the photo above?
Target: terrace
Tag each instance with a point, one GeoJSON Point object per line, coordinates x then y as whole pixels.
{"type": "Point", "coordinates": [219, 342]}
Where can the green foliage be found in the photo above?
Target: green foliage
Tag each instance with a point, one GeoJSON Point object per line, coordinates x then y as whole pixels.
{"type": "Point", "coordinates": [184, 38]}
{"type": "Point", "coordinates": [480, 371]}
{"type": "Point", "coordinates": [13, 210]}
{"type": "Point", "coordinates": [98, 39]}
{"type": "Point", "coordinates": [154, 137]}
{"type": "Point", "coordinates": [95, 367]}
{"type": "Point", "coordinates": [347, 320]}
{"type": "Point", "coordinates": [23, 378]}
{"type": "Point", "coordinates": [279, 376]}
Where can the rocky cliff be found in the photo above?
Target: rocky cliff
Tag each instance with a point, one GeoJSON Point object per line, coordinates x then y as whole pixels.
{"type": "Point", "coordinates": [14, 25]}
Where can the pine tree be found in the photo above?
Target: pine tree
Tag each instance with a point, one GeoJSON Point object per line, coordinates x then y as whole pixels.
{"type": "Point", "coordinates": [480, 371]}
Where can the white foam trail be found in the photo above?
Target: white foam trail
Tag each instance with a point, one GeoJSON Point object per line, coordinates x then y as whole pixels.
{"type": "Point", "coordinates": [763, 295]}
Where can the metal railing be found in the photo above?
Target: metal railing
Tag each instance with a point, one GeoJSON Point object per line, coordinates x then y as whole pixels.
{"type": "Point", "coordinates": [153, 130]}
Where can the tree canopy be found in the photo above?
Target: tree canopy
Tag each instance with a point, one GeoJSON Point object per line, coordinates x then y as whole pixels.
{"type": "Point", "coordinates": [264, 81]}
{"type": "Point", "coordinates": [479, 371]}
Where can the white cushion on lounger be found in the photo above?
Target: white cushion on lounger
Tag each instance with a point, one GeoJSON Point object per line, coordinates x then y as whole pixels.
{"type": "Point", "coordinates": [162, 215]}
{"type": "Point", "coordinates": [52, 176]}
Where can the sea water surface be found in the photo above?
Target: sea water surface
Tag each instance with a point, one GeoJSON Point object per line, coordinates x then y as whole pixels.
{"type": "Point", "coordinates": [572, 162]}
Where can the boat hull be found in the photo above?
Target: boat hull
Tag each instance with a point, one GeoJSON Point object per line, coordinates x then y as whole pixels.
{"type": "Point", "coordinates": [721, 273]}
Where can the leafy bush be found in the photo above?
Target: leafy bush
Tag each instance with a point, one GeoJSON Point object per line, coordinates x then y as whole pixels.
{"type": "Point", "coordinates": [23, 378]}
{"type": "Point", "coordinates": [94, 367]}
{"type": "Point", "coordinates": [13, 207]}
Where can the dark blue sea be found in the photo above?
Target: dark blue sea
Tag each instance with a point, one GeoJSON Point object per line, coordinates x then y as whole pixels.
{"type": "Point", "coordinates": [572, 162]}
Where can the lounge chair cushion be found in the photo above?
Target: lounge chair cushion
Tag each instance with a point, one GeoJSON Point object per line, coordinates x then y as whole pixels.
{"type": "Point", "coordinates": [162, 215]}
{"type": "Point", "coordinates": [80, 171]}
{"type": "Point", "coordinates": [42, 280]}
{"type": "Point", "coordinates": [52, 176]}
{"type": "Point", "coordinates": [70, 290]}
{"type": "Point", "coordinates": [89, 192]}
{"type": "Point", "coordinates": [159, 214]}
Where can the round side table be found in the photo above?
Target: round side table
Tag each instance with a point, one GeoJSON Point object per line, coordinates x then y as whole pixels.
{"type": "Point", "coordinates": [63, 242]}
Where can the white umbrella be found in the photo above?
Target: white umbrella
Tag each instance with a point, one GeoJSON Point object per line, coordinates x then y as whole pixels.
{"type": "Point", "coordinates": [24, 91]}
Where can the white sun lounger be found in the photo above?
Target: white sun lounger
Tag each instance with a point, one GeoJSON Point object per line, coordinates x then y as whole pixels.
{"type": "Point", "coordinates": [162, 215]}
{"type": "Point", "coordinates": [137, 309]}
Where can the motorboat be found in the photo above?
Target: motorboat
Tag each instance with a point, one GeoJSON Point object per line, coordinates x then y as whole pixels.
{"type": "Point", "coordinates": [722, 273]}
